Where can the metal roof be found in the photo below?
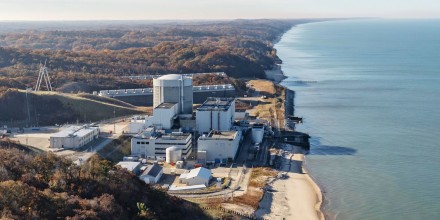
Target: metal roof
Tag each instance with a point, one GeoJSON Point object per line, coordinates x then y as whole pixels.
{"type": "Point", "coordinates": [74, 131]}
{"type": "Point", "coordinates": [200, 172]}
{"type": "Point", "coordinates": [152, 170]}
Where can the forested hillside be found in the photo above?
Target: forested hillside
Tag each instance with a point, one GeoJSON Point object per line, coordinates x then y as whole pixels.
{"type": "Point", "coordinates": [241, 48]}
{"type": "Point", "coordinates": [45, 186]}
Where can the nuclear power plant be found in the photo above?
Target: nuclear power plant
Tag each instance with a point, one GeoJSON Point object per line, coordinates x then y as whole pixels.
{"type": "Point", "coordinates": [174, 88]}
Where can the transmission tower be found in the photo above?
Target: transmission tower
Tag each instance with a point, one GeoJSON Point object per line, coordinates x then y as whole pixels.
{"type": "Point", "coordinates": [43, 75]}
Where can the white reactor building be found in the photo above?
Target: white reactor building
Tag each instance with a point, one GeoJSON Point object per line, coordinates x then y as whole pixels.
{"type": "Point", "coordinates": [174, 88]}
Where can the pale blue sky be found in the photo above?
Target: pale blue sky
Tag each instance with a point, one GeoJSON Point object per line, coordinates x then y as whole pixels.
{"type": "Point", "coordinates": [213, 9]}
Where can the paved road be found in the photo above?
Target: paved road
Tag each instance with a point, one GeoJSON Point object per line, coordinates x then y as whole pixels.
{"type": "Point", "coordinates": [243, 151]}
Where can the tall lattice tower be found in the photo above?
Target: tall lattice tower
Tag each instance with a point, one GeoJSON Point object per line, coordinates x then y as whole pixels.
{"type": "Point", "coordinates": [43, 75]}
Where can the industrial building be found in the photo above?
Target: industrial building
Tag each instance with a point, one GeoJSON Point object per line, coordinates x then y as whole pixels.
{"type": "Point", "coordinates": [164, 115]}
{"type": "Point", "coordinates": [132, 166]}
{"type": "Point", "coordinates": [198, 176]}
{"type": "Point", "coordinates": [74, 137]}
{"type": "Point", "coordinates": [215, 114]}
{"type": "Point", "coordinates": [152, 143]}
{"type": "Point", "coordinates": [174, 88]}
{"type": "Point", "coordinates": [138, 124]}
{"type": "Point", "coordinates": [152, 174]}
{"type": "Point", "coordinates": [219, 146]}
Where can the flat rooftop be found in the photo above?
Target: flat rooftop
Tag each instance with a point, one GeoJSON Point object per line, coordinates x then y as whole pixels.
{"type": "Point", "coordinates": [220, 135]}
{"type": "Point", "coordinates": [212, 103]}
{"type": "Point", "coordinates": [74, 131]}
{"type": "Point", "coordinates": [166, 105]}
{"type": "Point", "coordinates": [166, 136]}
{"type": "Point", "coordinates": [174, 136]}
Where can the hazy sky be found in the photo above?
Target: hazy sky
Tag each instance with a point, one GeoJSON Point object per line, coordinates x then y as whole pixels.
{"type": "Point", "coordinates": [213, 9]}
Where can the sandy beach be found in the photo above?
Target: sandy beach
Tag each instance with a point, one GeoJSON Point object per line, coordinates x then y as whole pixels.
{"type": "Point", "coordinates": [293, 197]}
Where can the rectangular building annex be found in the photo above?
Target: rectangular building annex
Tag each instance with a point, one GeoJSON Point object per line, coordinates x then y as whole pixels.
{"type": "Point", "coordinates": [215, 114]}
{"type": "Point", "coordinates": [198, 176]}
{"type": "Point", "coordinates": [164, 115]}
{"type": "Point", "coordinates": [150, 143]}
{"type": "Point", "coordinates": [152, 174]}
{"type": "Point", "coordinates": [74, 137]}
{"type": "Point", "coordinates": [220, 146]}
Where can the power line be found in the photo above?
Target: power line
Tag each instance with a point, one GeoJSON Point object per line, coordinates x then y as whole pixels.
{"type": "Point", "coordinates": [43, 74]}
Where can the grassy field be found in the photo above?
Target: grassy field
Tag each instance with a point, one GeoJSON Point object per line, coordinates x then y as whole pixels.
{"type": "Point", "coordinates": [49, 108]}
{"type": "Point", "coordinates": [265, 87]}
{"type": "Point", "coordinates": [272, 107]}
{"type": "Point", "coordinates": [94, 109]}
{"type": "Point", "coordinates": [259, 177]}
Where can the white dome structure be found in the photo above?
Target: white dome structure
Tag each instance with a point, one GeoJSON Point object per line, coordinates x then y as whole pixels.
{"type": "Point", "coordinates": [174, 88]}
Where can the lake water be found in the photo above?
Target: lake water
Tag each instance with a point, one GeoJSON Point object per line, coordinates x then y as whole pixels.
{"type": "Point", "coordinates": [369, 92]}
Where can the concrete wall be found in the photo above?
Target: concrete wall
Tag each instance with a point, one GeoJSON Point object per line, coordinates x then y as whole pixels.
{"type": "Point", "coordinates": [151, 179]}
{"type": "Point", "coordinates": [219, 149]}
{"type": "Point", "coordinates": [144, 97]}
{"type": "Point", "coordinates": [207, 120]}
{"type": "Point", "coordinates": [157, 147]}
{"type": "Point", "coordinates": [163, 117]}
{"type": "Point", "coordinates": [74, 141]}
{"type": "Point", "coordinates": [174, 88]}
{"type": "Point", "coordinates": [197, 181]}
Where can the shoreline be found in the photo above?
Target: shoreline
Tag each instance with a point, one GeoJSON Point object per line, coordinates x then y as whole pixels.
{"type": "Point", "coordinates": [293, 196]}
{"type": "Point", "coordinates": [318, 191]}
{"type": "Point", "coordinates": [277, 75]}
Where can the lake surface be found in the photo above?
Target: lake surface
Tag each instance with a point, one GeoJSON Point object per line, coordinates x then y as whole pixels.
{"type": "Point", "coordinates": [369, 92]}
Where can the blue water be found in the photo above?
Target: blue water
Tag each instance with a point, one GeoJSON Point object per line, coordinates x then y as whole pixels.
{"type": "Point", "coordinates": [369, 92]}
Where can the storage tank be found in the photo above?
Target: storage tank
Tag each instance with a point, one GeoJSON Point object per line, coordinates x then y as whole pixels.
{"type": "Point", "coordinates": [173, 154]}
{"type": "Point", "coordinates": [174, 88]}
{"type": "Point", "coordinates": [257, 133]}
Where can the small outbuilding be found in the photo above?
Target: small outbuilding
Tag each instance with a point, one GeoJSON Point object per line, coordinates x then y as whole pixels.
{"type": "Point", "coordinates": [152, 174]}
{"type": "Point", "coordinates": [198, 176]}
{"type": "Point", "coordinates": [131, 166]}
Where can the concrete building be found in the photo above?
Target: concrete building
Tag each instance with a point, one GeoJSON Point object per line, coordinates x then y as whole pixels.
{"type": "Point", "coordinates": [152, 174]}
{"type": "Point", "coordinates": [164, 115]}
{"type": "Point", "coordinates": [74, 137]}
{"type": "Point", "coordinates": [176, 89]}
{"type": "Point", "coordinates": [138, 124]}
{"type": "Point", "coordinates": [134, 167]}
{"type": "Point", "coordinates": [220, 146]}
{"type": "Point", "coordinates": [151, 143]}
{"type": "Point", "coordinates": [198, 176]}
{"type": "Point", "coordinates": [215, 114]}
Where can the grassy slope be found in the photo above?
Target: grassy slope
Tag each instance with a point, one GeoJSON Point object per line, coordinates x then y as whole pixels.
{"type": "Point", "coordinates": [60, 108]}
{"type": "Point", "coordinates": [93, 109]}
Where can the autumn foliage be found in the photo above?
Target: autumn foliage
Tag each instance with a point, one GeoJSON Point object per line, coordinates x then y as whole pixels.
{"type": "Point", "coordinates": [45, 186]}
{"type": "Point", "coordinates": [97, 57]}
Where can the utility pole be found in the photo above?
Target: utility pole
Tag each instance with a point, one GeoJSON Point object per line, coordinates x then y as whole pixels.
{"type": "Point", "coordinates": [114, 120]}
{"type": "Point", "coordinates": [27, 105]}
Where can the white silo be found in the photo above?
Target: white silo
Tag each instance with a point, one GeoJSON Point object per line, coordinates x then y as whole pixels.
{"type": "Point", "coordinates": [173, 154]}
{"type": "Point", "coordinates": [257, 133]}
{"type": "Point", "coordinates": [176, 89]}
